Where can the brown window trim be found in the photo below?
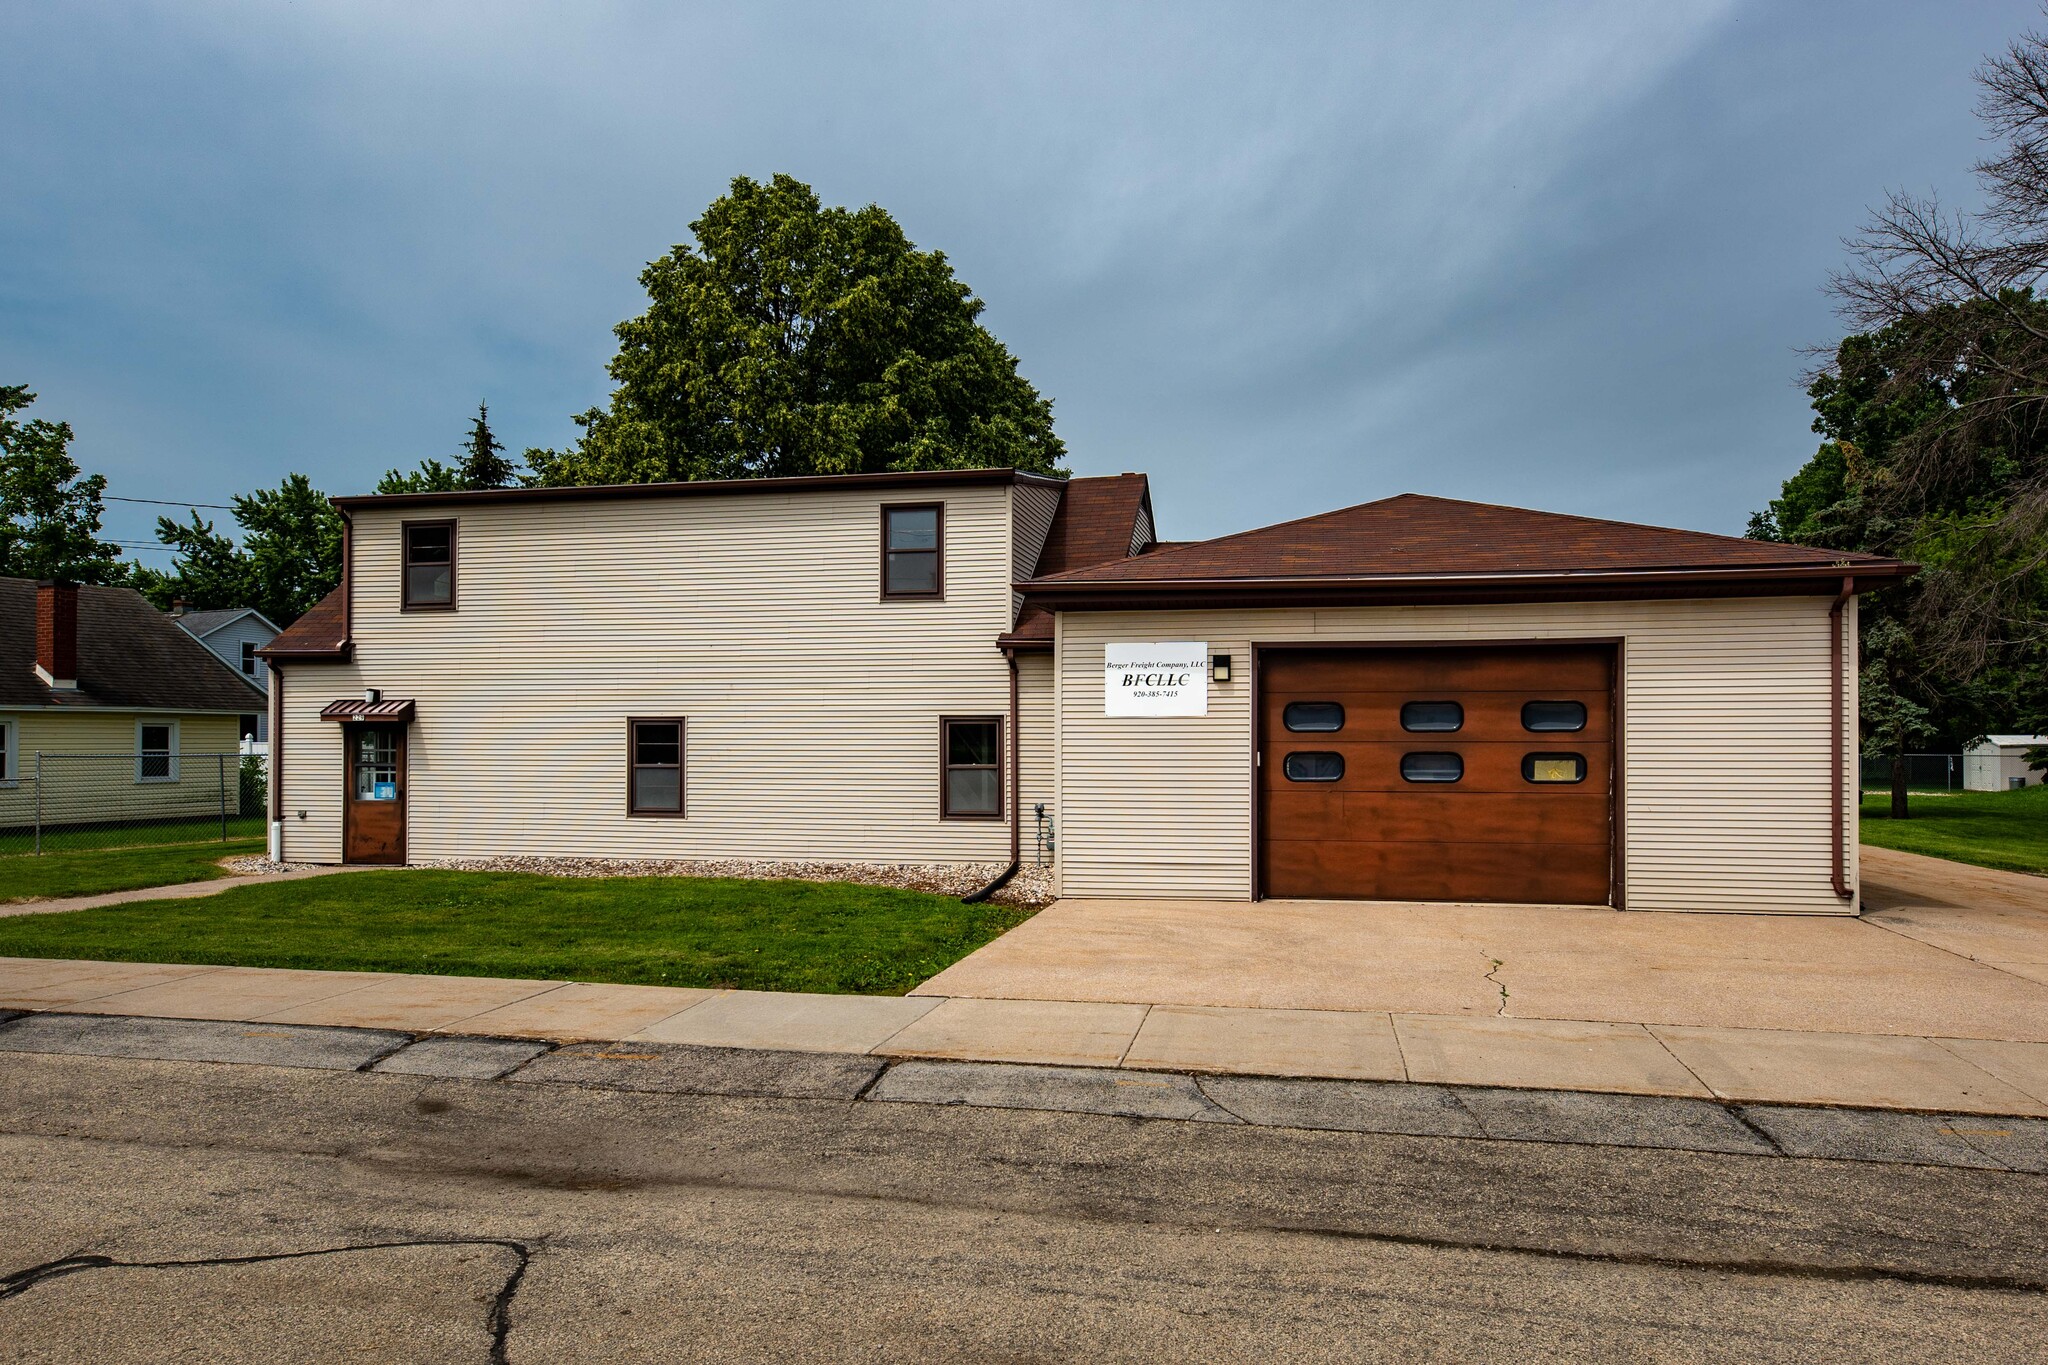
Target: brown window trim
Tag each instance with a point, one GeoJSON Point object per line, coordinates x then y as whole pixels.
{"type": "Point", "coordinates": [938, 594]}
{"type": "Point", "coordinates": [1001, 768]}
{"type": "Point", "coordinates": [682, 766]}
{"type": "Point", "coordinates": [405, 602]}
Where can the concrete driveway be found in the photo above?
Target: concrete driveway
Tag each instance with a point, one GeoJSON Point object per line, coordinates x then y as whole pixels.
{"type": "Point", "coordinates": [1943, 950]}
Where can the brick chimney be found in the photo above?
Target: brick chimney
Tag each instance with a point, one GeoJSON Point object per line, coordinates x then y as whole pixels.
{"type": "Point", "coordinates": [57, 633]}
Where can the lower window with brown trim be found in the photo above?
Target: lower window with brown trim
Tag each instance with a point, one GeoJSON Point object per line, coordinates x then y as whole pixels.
{"type": "Point", "coordinates": [654, 765]}
{"type": "Point", "coordinates": [971, 767]}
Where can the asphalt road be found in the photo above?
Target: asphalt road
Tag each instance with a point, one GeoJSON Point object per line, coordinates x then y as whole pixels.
{"type": "Point", "coordinates": [178, 1210]}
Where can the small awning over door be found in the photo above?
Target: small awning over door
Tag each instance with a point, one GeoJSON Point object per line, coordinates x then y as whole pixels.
{"type": "Point", "coordinates": [394, 710]}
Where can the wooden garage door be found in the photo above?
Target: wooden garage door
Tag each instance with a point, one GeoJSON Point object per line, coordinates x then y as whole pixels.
{"type": "Point", "coordinates": [1438, 773]}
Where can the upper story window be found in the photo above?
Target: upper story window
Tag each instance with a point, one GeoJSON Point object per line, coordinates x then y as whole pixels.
{"type": "Point", "coordinates": [913, 550]}
{"type": "Point", "coordinates": [429, 565]}
{"type": "Point", "coordinates": [249, 657]}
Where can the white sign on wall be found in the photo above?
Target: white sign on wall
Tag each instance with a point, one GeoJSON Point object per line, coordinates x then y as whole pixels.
{"type": "Point", "coordinates": [1156, 678]}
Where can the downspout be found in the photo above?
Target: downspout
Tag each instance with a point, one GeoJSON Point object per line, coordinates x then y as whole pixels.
{"type": "Point", "coordinates": [1836, 736]}
{"type": "Point", "coordinates": [348, 575]}
{"type": "Point", "coordinates": [1016, 815]}
{"type": "Point", "coordinates": [275, 762]}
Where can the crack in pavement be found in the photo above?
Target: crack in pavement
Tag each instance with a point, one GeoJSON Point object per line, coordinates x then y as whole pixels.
{"type": "Point", "coordinates": [499, 1320]}
{"type": "Point", "coordinates": [1495, 965]}
{"type": "Point", "coordinates": [2005, 1284]}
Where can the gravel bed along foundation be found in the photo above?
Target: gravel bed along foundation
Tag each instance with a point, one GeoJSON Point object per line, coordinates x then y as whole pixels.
{"type": "Point", "coordinates": [1031, 885]}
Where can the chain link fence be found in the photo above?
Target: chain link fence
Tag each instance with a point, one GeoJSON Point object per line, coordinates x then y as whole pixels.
{"type": "Point", "coordinates": [1924, 773]}
{"type": "Point", "coordinates": [63, 803]}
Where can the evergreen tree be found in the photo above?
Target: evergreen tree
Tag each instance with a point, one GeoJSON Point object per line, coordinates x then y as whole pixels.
{"type": "Point", "coordinates": [483, 465]}
{"type": "Point", "coordinates": [483, 462]}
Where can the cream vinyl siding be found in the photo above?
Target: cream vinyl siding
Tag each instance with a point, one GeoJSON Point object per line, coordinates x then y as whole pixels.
{"type": "Point", "coordinates": [1032, 508]}
{"type": "Point", "coordinates": [1035, 779]}
{"type": "Point", "coordinates": [1724, 747]}
{"type": "Point", "coordinates": [106, 789]}
{"type": "Point", "coordinates": [812, 704]}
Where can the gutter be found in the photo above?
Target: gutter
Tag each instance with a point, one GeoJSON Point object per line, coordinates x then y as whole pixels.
{"type": "Point", "coordinates": [798, 483]}
{"type": "Point", "coordinates": [1059, 591]}
{"type": "Point", "coordinates": [1016, 815]}
{"type": "Point", "coordinates": [1836, 736]}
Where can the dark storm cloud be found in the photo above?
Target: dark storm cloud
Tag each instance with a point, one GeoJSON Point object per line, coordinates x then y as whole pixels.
{"type": "Point", "coordinates": [1282, 257]}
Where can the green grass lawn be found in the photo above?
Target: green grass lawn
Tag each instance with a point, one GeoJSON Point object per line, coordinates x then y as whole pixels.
{"type": "Point", "coordinates": [667, 931]}
{"type": "Point", "coordinates": [57, 875]}
{"type": "Point", "coordinates": [1991, 829]}
{"type": "Point", "coordinates": [80, 839]}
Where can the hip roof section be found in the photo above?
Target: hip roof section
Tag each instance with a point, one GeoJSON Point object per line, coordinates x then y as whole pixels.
{"type": "Point", "coordinates": [322, 633]}
{"type": "Point", "coordinates": [1413, 537]}
{"type": "Point", "coordinates": [1098, 522]}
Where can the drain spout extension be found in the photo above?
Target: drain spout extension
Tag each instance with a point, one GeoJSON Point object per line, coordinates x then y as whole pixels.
{"type": "Point", "coordinates": [1002, 880]}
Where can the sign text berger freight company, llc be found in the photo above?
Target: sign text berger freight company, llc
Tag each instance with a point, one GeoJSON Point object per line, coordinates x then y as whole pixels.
{"type": "Point", "coordinates": [1156, 678]}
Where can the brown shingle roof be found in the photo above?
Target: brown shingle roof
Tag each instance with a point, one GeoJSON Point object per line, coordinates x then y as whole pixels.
{"type": "Point", "coordinates": [322, 633]}
{"type": "Point", "coordinates": [130, 655]}
{"type": "Point", "coordinates": [1094, 524]}
{"type": "Point", "coordinates": [1413, 536]}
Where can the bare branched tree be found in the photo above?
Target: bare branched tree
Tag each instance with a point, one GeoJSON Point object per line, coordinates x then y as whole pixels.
{"type": "Point", "coordinates": [1954, 295]}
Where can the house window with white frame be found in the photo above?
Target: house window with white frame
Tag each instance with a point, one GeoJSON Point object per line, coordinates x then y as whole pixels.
{"type": "Point", "coordinates": [156, 751]}
{"type": "Point", "coordinates": [10, 754]}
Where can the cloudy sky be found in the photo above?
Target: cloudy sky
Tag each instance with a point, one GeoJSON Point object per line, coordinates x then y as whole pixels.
{"type": "Point", "coordinates": [1283, 257]}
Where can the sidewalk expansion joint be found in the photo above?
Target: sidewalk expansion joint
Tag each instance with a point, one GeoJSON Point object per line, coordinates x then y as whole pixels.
{"type": "Point", "coordinates": [1737, 1112]}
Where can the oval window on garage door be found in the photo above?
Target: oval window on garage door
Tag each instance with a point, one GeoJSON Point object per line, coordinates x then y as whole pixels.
{"type": "Point", "coordinates": [1313, 767]}
{"type": "Point", "coordinates": [1432, 716]}
{"type": "Point", "coordinates": [1313, 717]}
{"type": "Point", "coordinates": [1539, 717]}
{"type": "Point", "coordinates": [1553, 767]}
{"type": "Point", "coordinates": [1432, 767]}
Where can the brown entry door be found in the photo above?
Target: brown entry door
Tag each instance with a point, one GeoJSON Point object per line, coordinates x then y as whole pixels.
{"type": "Point", "coordinates": [374, 823]}
{"type": "Point", "coordinates": [1482, 773]}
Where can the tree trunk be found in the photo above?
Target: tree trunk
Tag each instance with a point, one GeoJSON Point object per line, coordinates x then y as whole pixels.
{"type": "Point", "coordinates": [1899, 811]}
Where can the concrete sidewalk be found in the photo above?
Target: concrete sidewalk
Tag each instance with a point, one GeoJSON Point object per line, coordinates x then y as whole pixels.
{"type": "Point", "coordinates": [176, 891]}
{"type": "Point", "coordinates": [1886, 1071]}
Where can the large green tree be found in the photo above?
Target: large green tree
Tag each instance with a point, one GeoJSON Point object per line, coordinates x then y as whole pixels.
{"type": "Point", "coordinates": [288, 556]}
{"type": "Point", "coordinates": [49, 515]}
{"type": "Point", "coordinates": [1961, 649]}
{"type": "Point", "coordinates": [1935, 419]}
{"type": "Point", "coordinates": [792, 338]}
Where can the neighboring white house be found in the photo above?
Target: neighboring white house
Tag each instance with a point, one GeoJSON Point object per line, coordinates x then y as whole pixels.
{"type": "Point", "coordinates": [1997, 762]}
{"type": "Point", "coordinates": [235, 635]}
{"type": "Point", "coordinates": [1411, 699]}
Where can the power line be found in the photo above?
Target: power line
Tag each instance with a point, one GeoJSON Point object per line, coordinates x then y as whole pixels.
{"type": "Point", "coordinates": [165, 502]}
